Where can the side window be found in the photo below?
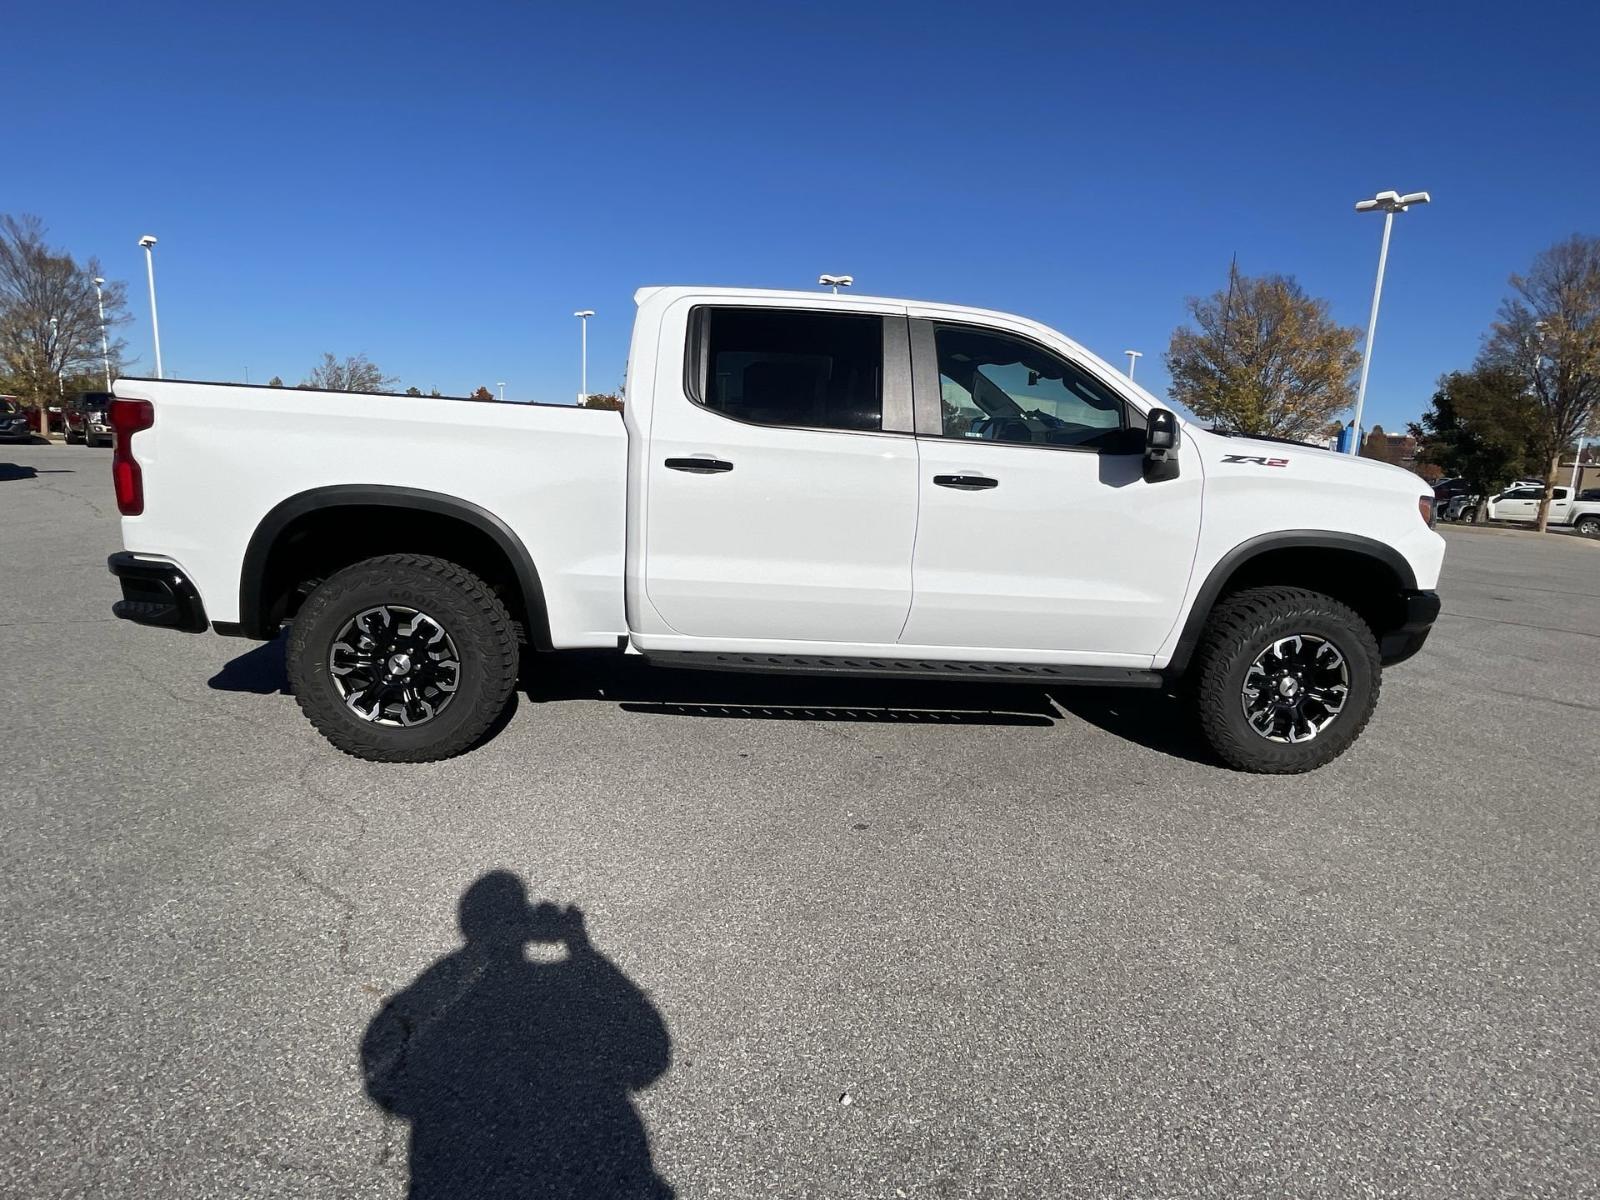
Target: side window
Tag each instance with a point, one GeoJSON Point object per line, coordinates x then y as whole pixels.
{"type": "Point", "coordinates": [1558, 493]}
{"type": "Point", "coordinates": [1001, 389]}
{"type": "Point", "coordinates": [790, 367]}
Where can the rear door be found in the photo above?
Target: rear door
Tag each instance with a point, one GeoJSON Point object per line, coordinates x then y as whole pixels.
{"type": "Point", "coordinates": [782, 484]}
{"type": "Point", "coordinates": [1037, 530]}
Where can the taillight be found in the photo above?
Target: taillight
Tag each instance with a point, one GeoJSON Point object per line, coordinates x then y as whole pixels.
{"type": "Point", "coordinates": [128, 417]}
{"type": "Point", "coordinates": [1425, 507]}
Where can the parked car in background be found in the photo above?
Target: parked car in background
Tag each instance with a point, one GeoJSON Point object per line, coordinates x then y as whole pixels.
{"type": "Point", "coordinates": [1522, 504]}
{"type": "Point", "coordinates": [1460, 508]}
{"type": "Point", "coordinates": [14, 425]}
{"type": "Point", "coordinates": [86, 419]}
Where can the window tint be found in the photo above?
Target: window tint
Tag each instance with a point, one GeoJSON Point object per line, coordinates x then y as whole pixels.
{"type": "Point", "coordinates": [1001, 389]}
{"type": "Point", "coordinates": [786, 367]}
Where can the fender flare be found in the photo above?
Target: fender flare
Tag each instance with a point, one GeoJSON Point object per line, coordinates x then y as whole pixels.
{"type": "Point", "coordinates": [1289, 539]}
{"type": "Point", "coordinates": [252, 575]}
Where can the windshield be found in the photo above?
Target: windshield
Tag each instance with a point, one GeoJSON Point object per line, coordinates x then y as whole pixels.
{"type": "Point", "coordinates": [8, 406]}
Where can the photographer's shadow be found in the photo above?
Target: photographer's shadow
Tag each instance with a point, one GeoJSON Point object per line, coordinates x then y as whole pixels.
{"type": "Point", "coordinates": [517, 1075]}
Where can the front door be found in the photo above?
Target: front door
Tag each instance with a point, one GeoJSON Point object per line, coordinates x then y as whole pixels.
{"type": "Point", "coordinates": [782, 482]}
{"type": "Point", "coordinates": [1037, 530]}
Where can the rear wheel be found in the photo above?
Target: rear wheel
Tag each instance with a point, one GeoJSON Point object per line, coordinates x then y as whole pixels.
{"type": "Point", "coordinates": [1588, 525]}
{"type": "Point", "coordinates": [1286, 679]}
{"type": "Point", "coordinates": [403, 658]}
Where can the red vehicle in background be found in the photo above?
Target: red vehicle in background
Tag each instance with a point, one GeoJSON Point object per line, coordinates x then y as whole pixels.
{"type": "Point", "coordinates": [84, 419]}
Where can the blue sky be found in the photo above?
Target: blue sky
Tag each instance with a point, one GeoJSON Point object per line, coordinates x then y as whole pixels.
{"type": "Point", "coordinates": [441, 186]}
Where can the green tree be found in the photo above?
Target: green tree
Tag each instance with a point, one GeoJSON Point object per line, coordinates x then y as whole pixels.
{"type": "Point", "coordinates": [1263, 357]}
{"type": "Point", "coordinates": [275, 381]}
{"type": "Point", "coordinates": [1548, 336]}
{"type": "Point", "coordinates": [607, 400]}
{"type": "Point", "coordinates": [413, 391]}
{"type": "Point", "coordinates": [50, 327]}
{"type": "Point", "coordinates": [1481, 426]}
{"type": "Point", "coordinates": [357, 373]}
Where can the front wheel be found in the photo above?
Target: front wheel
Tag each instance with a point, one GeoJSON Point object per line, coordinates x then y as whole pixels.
{"type": "Point", "coordinates": [1286, 679]}
{"type": "Point", "coordinates": [403, 658]}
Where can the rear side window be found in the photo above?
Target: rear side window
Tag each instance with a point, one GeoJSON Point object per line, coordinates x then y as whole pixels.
{"type": "Point", "coordinates": [789, 367]}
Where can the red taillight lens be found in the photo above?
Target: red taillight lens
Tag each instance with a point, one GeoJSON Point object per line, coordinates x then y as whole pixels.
{"type": "Point", "coordinates": [128, 417]}
{"type": "Point", "coordinates": [1425, 507]}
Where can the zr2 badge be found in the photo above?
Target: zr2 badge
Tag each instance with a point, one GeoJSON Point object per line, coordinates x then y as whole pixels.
{"type": "Point", "coordinates": [1260, 462]}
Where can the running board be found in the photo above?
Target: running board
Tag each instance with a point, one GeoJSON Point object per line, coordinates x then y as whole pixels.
{"type": "Point", "coordinates": [905, 668]}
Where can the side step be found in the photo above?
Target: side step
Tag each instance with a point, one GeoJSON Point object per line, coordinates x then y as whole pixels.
{"type": "Point", "coordinates": [905, 668]}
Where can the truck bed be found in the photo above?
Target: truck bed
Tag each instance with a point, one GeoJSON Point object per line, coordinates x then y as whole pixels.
{"type": "Point", "coordinates": [221, 457]}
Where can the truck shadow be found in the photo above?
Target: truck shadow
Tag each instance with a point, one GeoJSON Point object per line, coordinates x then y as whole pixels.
{"type": "Point", "coordinates": [1148, 718]}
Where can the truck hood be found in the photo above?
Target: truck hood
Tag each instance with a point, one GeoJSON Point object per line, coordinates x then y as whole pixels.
{"type": "Point", "coordinates": [1224, 453]}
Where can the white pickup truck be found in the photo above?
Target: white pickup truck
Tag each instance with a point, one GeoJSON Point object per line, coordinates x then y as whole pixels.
{"type": "Point", "coordinates": [1522, 504]}
{"type": "Point", "coordinates": [799, 482]}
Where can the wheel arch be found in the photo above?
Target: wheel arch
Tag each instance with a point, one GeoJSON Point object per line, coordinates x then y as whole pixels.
{"type": "Point", "coordinates": [1367, 574]}
{"type": "Point", "coordinates": [489, 545]}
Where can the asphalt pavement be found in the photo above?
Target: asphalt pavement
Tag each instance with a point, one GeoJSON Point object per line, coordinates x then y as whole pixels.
{"type": "Point", "coordinates": [842, 939]}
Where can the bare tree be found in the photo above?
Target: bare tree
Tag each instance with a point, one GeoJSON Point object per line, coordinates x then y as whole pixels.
{"type": "Point", "coordinates": [356, 373]}
{"type": "Point", "coordinates": [1265, 358]}
{"type": "Point", "coordinates": [1548, 336]}
{"type": "Point", "coordinates": [50, 328]}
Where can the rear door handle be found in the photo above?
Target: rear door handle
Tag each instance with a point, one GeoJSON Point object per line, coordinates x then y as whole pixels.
{"type": "Point", "coordinates": [966, 483]}
{"type": "Point", "coordinates": [699, 466]}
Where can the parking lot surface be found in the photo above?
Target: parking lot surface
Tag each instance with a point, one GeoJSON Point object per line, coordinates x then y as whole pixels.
{"type": "Point", "coordinates": [843, 939]}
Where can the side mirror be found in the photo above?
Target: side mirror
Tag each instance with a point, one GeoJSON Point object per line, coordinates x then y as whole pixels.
{"type": "Point", "coordinates": [1161, 440]}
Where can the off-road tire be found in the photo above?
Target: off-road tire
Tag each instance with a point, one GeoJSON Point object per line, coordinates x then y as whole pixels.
{"type": "Point", "coordinates": [1241, 628]}
{"type": "Point", "coordinates": [460, 602]}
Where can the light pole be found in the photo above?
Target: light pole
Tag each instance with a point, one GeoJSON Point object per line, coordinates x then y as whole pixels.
{"type": "Point", "coordinates": [147, 241]}
{"type": "Point", "coordinates": [105, 350]}
{"type": "Point", "coordinates": [836, 281]}
{"type": "Point", "coordinates": [502, 386]}
{"type": "Point", "coordinates": [1133, 357]}
{"type": "Point", "coordinates": [1388, 203]}
{"type": "Point", "coordinates": [583, 316]}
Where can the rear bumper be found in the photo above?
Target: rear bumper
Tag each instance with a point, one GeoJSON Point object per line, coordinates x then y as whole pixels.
{"type": "Point", "coordinates": [157, 592]}
{"type": "Point", "coordinates": [1419, 611]}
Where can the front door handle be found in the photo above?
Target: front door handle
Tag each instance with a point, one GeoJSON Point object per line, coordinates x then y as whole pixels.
{"type": "Point", "coordinates": [966, 483]}
{"type": "Point", "coordinates": [699, 466]}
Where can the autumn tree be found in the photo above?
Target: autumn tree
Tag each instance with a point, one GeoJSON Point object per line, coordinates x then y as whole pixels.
{"type": "Point", "coordinates": [50, 327]}
{"type": "Point", "coordinates": [606, 400]}
{"type": "Point", "coordinates": [356, 373]}
{"type": "Point", "coordinates": [1264, 358]}
{"type": "Point", "coordinates": [1481, 426]}
{"type": "Point", "coordinates": [1548, 336]}
{"type": "Point", "coordinates": [482, 393]}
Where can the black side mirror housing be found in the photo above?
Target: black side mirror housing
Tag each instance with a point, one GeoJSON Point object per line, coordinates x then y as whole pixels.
{"type": "Point", "coordinates": [1161, 441]}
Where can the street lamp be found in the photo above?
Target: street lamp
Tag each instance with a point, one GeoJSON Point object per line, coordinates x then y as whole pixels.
{"type": "Point", "coordinates": [502, 386]}
{"type": "Point", "coordinates": [583, 316]}
{"type": "Point", "coordinates": [1133, 358]}
{"type": "Point", "coordinates": [836, 281]}
{"type": "Point", "coordinates": [147, 241]}
{"type": "Point", "coordinates": [105, 350]}
{"type": "Point", "coordinates": [1388, 203]}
